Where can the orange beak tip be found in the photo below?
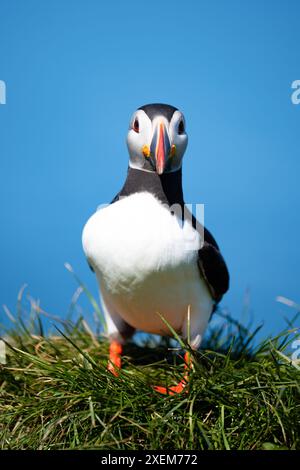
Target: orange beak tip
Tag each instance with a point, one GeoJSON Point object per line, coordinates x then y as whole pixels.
{"type": "Point", "coordinates": [160, 151]}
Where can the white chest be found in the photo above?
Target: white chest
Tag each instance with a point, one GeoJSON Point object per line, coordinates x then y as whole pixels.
{"type": "Point", "coordinates": [145, 260]}
{"type": "Point", "coordinates": [135, 237]}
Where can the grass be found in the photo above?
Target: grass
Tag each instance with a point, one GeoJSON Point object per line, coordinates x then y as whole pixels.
{"type": "Point", "coordinates": [55, 392]}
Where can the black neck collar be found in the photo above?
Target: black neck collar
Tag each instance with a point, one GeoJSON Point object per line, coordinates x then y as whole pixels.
{"type": "Point", "coordinates": [166, 187]}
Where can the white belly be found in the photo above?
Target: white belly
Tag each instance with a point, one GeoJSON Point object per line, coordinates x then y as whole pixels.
{"type": "Point", "coordinates": [146, 263]}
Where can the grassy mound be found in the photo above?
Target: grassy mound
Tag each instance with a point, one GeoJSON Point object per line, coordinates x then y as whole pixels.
{"type": "Point", "coordinates": [55, 393]}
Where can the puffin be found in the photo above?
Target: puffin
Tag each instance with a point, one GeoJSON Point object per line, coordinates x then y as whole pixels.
{"type": "Point", "coordinates": [158, 269]}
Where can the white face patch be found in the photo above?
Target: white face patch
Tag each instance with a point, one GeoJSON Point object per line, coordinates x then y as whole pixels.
{"type": "Point", "coordinates": [137, 140]}
{"type": "Point", "coordinates": [141, 132]}
{"type": "Point", "coordinates": [178, 138]}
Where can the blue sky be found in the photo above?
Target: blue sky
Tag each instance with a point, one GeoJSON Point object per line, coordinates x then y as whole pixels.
{"type": "Point", "coordinates": [75, 71]}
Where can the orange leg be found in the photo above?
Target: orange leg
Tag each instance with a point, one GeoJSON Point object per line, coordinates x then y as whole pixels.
{"type": "Point", "coordinates": [115, 361]}
{"type": "Point", "coordinates": [182, 385]}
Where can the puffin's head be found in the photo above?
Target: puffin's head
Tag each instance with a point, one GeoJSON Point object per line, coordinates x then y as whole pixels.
{"type": "Point", "coordinates": [156, 138]}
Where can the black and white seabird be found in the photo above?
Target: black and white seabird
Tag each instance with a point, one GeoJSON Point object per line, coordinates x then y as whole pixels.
{"type": "Point", "coordinates": [150, 263]}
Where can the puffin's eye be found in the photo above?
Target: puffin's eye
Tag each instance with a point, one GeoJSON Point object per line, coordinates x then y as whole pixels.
{"type": "Point", "coordinates": [136, 126]}
{"type": "Point", "coordinates": [181, 127]}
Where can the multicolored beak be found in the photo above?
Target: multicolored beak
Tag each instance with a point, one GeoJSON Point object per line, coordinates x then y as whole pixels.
{"type": "Point", "coordinates": [160, 147]}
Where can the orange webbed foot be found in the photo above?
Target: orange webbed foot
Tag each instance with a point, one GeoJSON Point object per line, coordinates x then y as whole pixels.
{"type": "Point", "coordinates": [182, 385]}
{"type": "Point", "coordinates": [115, 360]}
